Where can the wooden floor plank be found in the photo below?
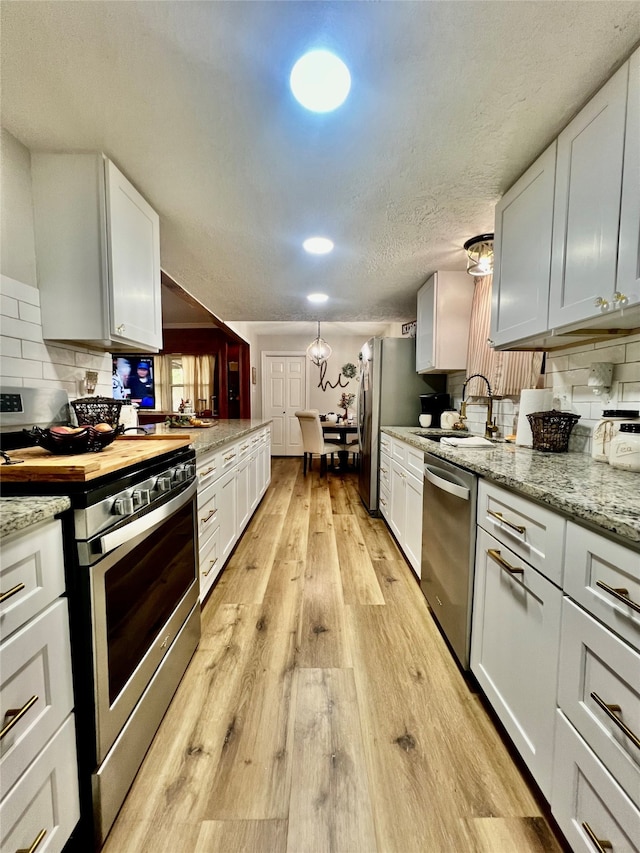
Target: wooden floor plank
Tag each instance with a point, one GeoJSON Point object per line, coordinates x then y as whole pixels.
{"type": "Point", "coordinates": [330, 806]}
{"type": "Point", "coordinates": [324, 648]}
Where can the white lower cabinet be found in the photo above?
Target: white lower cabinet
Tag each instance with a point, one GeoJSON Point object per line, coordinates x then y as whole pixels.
{"type": "Point", "coordinates": [400, 497]}
{"type": "Point", "coordinates": [38, 765]}
{"type": "Point", "coordinates": [588, 804]}
{"type": "Point", "coordinates": [514, 650]}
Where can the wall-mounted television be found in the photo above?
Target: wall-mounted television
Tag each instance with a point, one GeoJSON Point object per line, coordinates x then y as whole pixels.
{"type": "Point", "coordinates": [134, 379]}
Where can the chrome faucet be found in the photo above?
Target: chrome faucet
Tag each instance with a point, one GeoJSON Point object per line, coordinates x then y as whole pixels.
{"type": "Point", "coordinates": [490, 427]}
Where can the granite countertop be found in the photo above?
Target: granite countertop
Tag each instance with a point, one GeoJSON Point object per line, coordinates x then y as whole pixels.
{"type": "Point", "coordinates": [18, 513]}
{"type": "Point", "coordinates": [571, 483]}
{"type": "Point", "coordinates": [213, 437]}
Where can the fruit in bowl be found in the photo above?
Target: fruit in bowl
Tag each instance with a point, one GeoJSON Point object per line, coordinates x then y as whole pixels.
{"type": "Point", "coordinates": [67, 430]}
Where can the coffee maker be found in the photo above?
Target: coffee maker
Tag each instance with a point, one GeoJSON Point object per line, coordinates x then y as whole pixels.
{"type": "Point", "coordinates": [435, 405]}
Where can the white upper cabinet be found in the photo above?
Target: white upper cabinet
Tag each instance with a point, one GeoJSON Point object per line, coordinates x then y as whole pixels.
{"type": "Point", "coordinates": [628, 282]}
{"type": "Point", "coordinates": [587, 206]}
{"type": "Point", "coordinates": [98, 254]}
{"type": "Point", "coordinates": [522, 254]}
{"type": "Point", "coordinates": [442, 328]}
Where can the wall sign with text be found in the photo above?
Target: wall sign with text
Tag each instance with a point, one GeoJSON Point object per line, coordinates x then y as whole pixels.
{"type": "Point", "coordinates": [409, 329]}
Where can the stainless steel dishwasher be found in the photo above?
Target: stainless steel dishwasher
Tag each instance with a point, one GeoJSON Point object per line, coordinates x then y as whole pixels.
{"type": "Point", "coordinates": [448, 549]}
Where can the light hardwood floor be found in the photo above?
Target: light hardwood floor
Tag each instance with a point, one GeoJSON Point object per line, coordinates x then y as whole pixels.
{"type": "Point", "coordinates": [322, 710]}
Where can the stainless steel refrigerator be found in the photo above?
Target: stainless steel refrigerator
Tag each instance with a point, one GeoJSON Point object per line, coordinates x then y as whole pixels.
{"type": "Point", "coordinates": [388, 395]}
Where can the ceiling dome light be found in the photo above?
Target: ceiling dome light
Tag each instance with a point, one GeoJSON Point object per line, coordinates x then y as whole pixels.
{"type": "Point", "coordinates": [317, 297]}
{"type": "Point", "coordinates": [480, 254]}
{"type": "Point", "coordinates": [320, 81]}
{"type": "Point", "coordinates": [318, 245]}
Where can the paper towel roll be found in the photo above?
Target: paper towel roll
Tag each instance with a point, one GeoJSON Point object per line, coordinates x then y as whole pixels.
{"type": "Point", "coordinates": [531, 400]}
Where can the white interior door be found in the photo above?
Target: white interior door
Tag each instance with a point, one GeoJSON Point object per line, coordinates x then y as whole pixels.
{"type": "Point", "coordinates": [284, 392]}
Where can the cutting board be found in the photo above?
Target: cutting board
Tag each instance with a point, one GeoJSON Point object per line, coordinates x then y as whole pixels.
{"type": "Point", "coordinates": [40, 466]}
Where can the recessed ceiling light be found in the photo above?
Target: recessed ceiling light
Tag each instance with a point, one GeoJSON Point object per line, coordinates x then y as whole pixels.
{"type": "Point", "coordinates": [320, 81]}
{"type": "Point", "coordinates": [317, 297]}
{"type": "Point", "coordinates": [318, 245]}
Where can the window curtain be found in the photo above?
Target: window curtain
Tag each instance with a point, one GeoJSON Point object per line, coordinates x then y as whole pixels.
{"type": "Point", "coordinates": [507, 372]}
{"type": "Point", "coordinates": [162, 365]}
{"type": "Point", "coordinates": [198, 373]}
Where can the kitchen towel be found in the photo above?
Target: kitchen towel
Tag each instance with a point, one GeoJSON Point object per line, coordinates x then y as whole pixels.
{"type": "Point", "coordinates": [531, 400]}
{"type": "Point", "coordinates": [471, 441]}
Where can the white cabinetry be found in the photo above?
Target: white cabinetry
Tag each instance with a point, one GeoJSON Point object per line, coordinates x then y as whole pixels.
{"type": "Point", "coordinates": [596, 776]}
{"type": "Point", "coordinates": [401, 490]}
{"type": "Point", "coordinates": [524, 218]}
{"type": "Point", "coordinates": [442, 329]}
{"type": "Point", "coordinates": [516, 632]}
{"type": "Point", "coordinates": [38, 767]}
{"type": "Point", "coordinates": [593, 286]}
{"type": "Point", "coordinates": [98, 254]}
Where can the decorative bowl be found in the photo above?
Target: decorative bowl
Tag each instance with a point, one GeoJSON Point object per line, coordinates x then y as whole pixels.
{"type": "Point", "coordinates": [86, 440]}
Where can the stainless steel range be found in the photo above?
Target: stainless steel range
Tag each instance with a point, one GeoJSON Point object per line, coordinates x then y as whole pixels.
{"type": "Point", "coordinates": [132, 581]}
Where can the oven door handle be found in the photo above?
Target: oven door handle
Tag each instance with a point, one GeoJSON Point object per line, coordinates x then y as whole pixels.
{"type": "Point", "coordinates": [434, 476]}
{"type": "Point", "coordinates": [146, 522]}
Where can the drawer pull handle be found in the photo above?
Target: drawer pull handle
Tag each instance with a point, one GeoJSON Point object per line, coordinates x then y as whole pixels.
{"type": "Point", "coordinates": [16, 715]}
{"type": "Point", "coordinates": [500, 517]}
{"type": "Point", "coordinates": [601, 844]}
{"type": "Point", "coordinates": [621, 594]}
{"type": "Point", "coordinates": [383, 502]}
{"type": "Point", "coordinates": [229, 457]}
{"type": "Point", "coordinates": [208, 471]}
{"type": "Point", "coordinates": [384, 470]}
{"type": "Point", "coordinates": [5, 596]}
{"type": "Point", "coordinates": [211, 565]}
{"type": "Point", "coordinates": [610, 711]}
{"type": "Point", "coordinates": [34, 844]}
{"type": "Point", "coordinates": [495, 555]}
{"type": "Point", "coordinates": [210, 516]}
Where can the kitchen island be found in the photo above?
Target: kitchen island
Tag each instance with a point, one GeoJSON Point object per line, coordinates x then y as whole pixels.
{"type": "Point", "coordinates": [571, 483]}
{"type": "Point", "coordinates": [214, 437]}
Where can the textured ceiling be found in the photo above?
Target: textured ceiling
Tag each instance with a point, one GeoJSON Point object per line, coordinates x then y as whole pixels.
{"type": "Point", "coordinates": [450, 102]}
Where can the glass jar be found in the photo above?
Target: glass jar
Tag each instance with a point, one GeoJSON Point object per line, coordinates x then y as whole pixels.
{"type": "Point", "coordinates": [624, 451]}
{"type": "Point", "coordinates": [607, 428]}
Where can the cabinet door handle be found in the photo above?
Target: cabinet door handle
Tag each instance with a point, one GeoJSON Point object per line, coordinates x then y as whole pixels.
{"type": "Point", "coordinates": [610, 710]}
{"type": "Point", "coordinates": [383, 502]}
{"type": "Point", "coordinates": [211, 565]}
{"type": "Point", "coordinates": [16, 715]}
{"type": "Point", "coordinates": [209, 517]}
{"type": "Point", "coordinates": [5, 596]}
{"type": "Point", "coordinates": [601, 844]}
{"type": "Point", "coordinates": [208, 471]}
{"type": "Point", "coordinates": [501, 518]}
{"type": "Point", "coordinates": [34, 844]}
{"type": "Point", "coordinates": [621, 594]}
{"type": "Point", "coordinates": [495, 555]}
{"type": "Point", "coordinates": [120, 329]}
{"type": "Point", "coordinates": [229, 456]}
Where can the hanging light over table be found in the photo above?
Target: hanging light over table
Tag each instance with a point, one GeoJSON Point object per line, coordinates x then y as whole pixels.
{"type": "Point", "coordinates": [480, 254]}
{"type": "Point", "coordinates": [318, 350]}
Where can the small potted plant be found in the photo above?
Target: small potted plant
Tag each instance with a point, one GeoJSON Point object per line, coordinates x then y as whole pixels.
{"type": "Point", "coordinates": [346, 400]}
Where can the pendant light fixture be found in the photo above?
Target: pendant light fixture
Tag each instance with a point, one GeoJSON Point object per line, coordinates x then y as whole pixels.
{"type": "Point", "coordinates": [318, 350]}
{"type": "Point", "coordinates": [480, 254]}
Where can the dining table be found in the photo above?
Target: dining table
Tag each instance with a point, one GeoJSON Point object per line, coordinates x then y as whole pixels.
{"type": "Point", "coordinates": [343, 430]}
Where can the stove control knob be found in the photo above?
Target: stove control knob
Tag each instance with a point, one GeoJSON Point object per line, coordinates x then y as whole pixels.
{"type": "Point", "coordinates": [182, 473]}
{"type": "Point", "coordinates": [164, 483]}
{"type": "Point", "coordinates": [123, 506]}
{"type": "Point", "coordinates": [142, 497]}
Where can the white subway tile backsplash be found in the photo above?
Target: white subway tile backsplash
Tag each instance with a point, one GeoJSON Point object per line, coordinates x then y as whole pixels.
{"type": "Point", "coordinates": [629, 372]}
{"type": "Point", "coordinates": [614, 354]}
{"type": "Point", "coordinates": [47, 353]}
{"type": "Point", "coordinates": [18, 290]}
{"type": "Point", "coordinates": [10, 347]}
{"type": "Point", "coordinates": [8, 306]}
{"type": "Point", "coordinates": [630, 392]}
{"type": "Point", "coordinates": [91, 361]}
{"type": "Point", "coordinates": [20, 367]}
{"type": "Point", "coordinates": [11, 382]}
{"type": "Point", "coordinates": [633, 349]}
{"type": "Point", "coordinates": [29, 313]}
{"type": "Point", "coordinates": [14, 328]}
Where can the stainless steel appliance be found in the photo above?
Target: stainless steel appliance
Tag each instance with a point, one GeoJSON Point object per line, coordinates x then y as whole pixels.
{"type": "Point", "coordinates": [448, 549]}
{"type": "Point", "coordinates": [435, 405]}
{"type": "Point", "coordinates": [388, 395]}
{"type": "Point", "coordinates": [131, 562]}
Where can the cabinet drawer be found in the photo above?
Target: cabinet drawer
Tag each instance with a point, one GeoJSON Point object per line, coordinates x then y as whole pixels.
{"type": "Point", "coordinates": [385, 443]}
{"type": "Point", "coordinates": [229, 457]}
{"type": "Point", "coordinates": [244, 445]}
{"type": "Point", "coordinates": [208, 516]}
{"type": "Point", "coordinates": [32, 564]}
{"type": "Point", "coordinates": [592, 560]}
{"type": "Point", "coordinates": [516, 632]}
{"type": "Point", "coordinates": [35, 661]}
{"type": "Point", "coordinates": [584, 792]}
{"type": "Point", "coordinates": [534, 533]}
{"type": "Point", "coordinates": [210, 563]}
{"type": "Point", "coordinates": [208, 470]}
{"type": "Point", "coordinates": [385, 470]}
{"type": "Point", "coordinates": [595, 661]}
{"type": "Point", "coordinates": [45, 798]}
{"type": "Point", "coordinates": [384, 500]}
{"type": "Point", "coordinates": [399, 452]}
{"type": "Point", "coordinates": [415, 461]}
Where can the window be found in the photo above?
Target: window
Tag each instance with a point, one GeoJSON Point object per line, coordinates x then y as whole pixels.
{"type": "Point", "coordinates": [177, 382]}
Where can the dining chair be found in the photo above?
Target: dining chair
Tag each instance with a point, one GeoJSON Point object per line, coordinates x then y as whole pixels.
{"type": "Point", "coordinates": [313, 441]}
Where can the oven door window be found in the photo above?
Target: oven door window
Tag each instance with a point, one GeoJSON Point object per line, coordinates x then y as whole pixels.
{"type": "Point", "coordinates": [141, 592]}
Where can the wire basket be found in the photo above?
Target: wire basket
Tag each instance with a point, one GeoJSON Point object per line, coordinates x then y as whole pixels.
{"type": "Point", "coordinates": [551, 430]}
{"type": "Point", "coordinates": [97, 410]}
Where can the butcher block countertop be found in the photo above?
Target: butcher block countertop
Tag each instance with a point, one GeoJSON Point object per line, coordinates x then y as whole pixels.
{"type": "Point", "coordinates": [40, 466]}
